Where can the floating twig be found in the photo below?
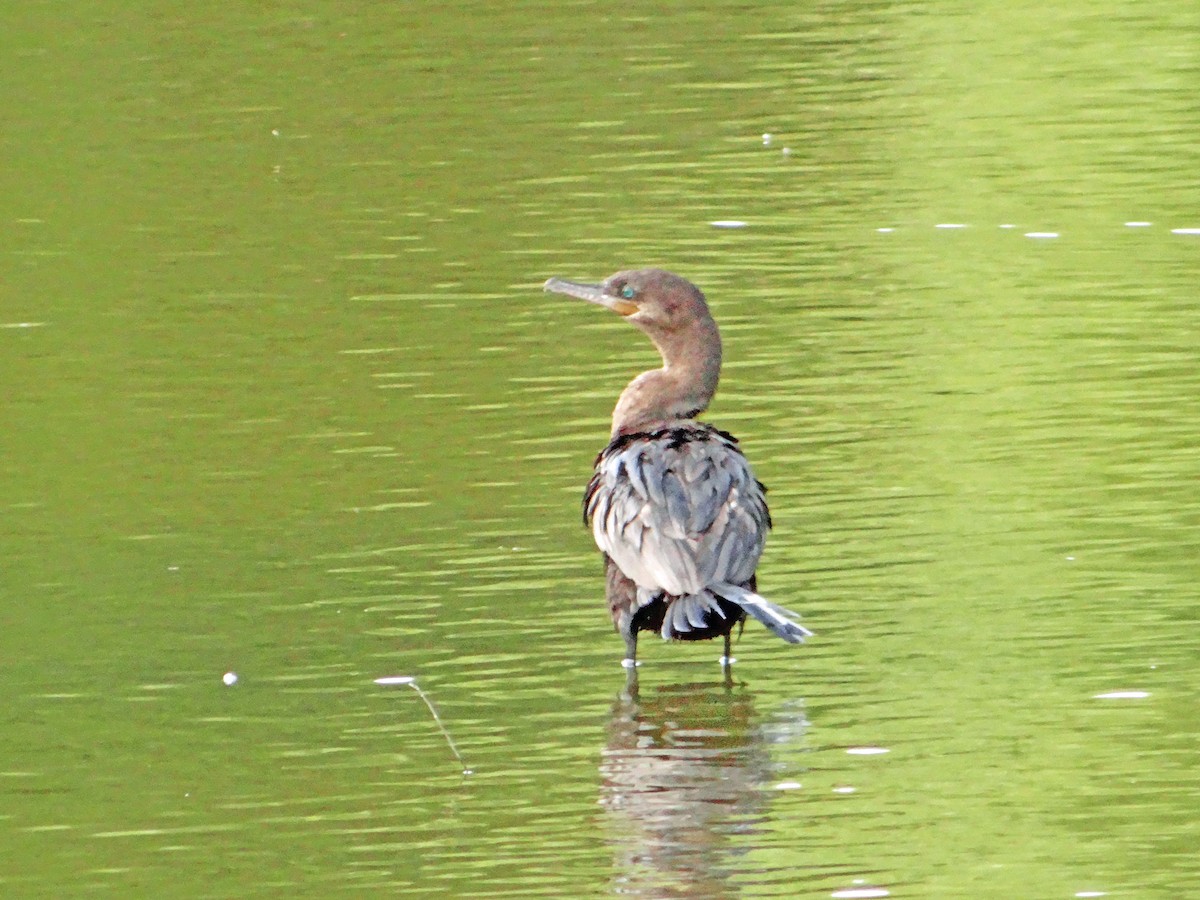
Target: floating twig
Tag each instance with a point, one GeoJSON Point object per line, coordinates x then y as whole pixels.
{"type": "Point", "coordinates": [412, 683]}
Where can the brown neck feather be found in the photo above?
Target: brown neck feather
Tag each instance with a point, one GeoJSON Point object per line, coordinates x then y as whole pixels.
{"type": "Point", "coordinates": [682, 388]}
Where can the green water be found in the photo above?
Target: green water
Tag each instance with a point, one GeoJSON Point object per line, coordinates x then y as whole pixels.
{"type": "Point", "coordinates": [282, 397]}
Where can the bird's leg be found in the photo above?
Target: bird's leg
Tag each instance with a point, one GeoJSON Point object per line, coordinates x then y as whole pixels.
{"type": "Point", "coordinates": [630, 660]}
{"type": "Point", "coordinates": [622, 595]}
{"type": "Point", "coordinates": [727, 659]}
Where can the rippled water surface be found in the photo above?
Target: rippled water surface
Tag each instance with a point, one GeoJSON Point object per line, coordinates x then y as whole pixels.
{"type": "Point", "coordinates": [283, 399]}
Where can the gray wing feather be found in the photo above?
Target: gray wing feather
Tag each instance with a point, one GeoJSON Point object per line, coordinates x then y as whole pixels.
{"type": "Point", "coordinates": [652, 474]}
{"type": "Point", "coordinates": [630, 464]}
{"type": "Point", "coordinates": [678, 514]}
{"type": "Point", "coordinates": [709, 494]}
{"type": "Point", "coordinates": [677, 504]}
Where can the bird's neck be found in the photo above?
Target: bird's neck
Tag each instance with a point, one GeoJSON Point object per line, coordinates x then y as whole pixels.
{"type": "Point", "coordinates": [680, 390]}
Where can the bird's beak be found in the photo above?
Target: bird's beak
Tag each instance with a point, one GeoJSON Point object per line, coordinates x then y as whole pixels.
{"type": "Point", "coordinates": [592, 293]}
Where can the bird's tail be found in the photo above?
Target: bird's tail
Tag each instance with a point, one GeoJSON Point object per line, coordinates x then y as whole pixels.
{"type": "Point", "coordinates": [779, 620]}
{"type": "Point", "coordinates": [695, 616]}
{"type": "Point", "coordinates": [694, 612]}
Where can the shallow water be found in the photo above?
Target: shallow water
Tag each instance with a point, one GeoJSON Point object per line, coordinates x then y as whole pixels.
{"type": "Point", "coordinates": [284, 398]}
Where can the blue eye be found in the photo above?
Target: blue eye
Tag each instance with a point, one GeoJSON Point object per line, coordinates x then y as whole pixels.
{"type": "Point", "coordinates": [628, 292]}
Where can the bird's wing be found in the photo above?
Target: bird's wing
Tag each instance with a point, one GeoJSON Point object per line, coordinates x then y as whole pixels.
{"type": "Point", "coordinates": [678, 510]}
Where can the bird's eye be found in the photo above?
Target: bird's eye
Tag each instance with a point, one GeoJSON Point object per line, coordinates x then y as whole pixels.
{"type": "Point", "coordinates": [628, 292]}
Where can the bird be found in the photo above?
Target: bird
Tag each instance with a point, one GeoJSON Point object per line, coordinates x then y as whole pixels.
{"type": "Point", "coordinates": [672, 503]}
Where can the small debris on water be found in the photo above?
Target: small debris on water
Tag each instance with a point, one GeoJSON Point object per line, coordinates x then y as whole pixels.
{"type": "Point", "coordinates": [867, 751]}
{"type": "Point", "coordinates": [728, 223]}
{"type": "Point", "coordinates": [1122, 695]}
{"type": "Point", "coordinates": [861, 893]}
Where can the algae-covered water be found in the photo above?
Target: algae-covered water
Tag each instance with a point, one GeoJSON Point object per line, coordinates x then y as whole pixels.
{"type": "Point", "coordinates": [283, 398]}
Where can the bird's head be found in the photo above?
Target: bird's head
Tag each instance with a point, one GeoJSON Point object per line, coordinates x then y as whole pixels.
{"type": "Point", "coordinates": [673, 313]}
{"type": "Point", "coordinates": [656, 301]}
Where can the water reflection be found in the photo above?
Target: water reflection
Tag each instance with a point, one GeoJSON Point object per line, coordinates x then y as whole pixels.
{"type": "Point", "coordinates": [682, 774]}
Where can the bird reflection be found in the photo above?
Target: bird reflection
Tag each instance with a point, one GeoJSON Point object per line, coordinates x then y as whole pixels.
{"type": "Point", "coordinates": [682, 773]}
